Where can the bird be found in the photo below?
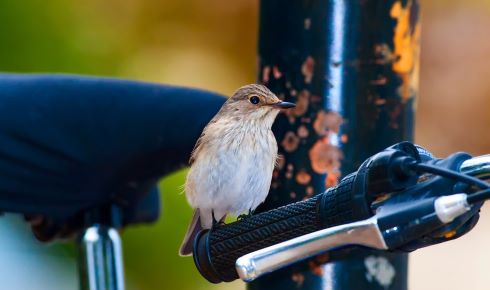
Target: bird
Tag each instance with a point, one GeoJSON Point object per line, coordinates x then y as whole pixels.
{"type": "Point", "coordinates": [232, 162]}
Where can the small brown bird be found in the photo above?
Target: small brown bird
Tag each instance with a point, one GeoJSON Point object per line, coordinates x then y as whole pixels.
{"type": "Point", "coordinates": [232, 162]}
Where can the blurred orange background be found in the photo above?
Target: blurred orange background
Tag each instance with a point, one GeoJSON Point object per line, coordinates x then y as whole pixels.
{"type": "Point", "coordinates": [212, 44]}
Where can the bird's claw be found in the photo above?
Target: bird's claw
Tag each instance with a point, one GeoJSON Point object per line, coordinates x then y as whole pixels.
{"type": "Point", "coordinates": [217, 223]}
{"type": "Point", "coordinates": [245, 215]}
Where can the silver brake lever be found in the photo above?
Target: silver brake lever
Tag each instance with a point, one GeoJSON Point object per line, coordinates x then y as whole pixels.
{"type": "Point", "coordinates": [362, 233]}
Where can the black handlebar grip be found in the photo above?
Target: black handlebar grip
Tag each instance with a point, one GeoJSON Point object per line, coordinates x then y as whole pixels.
{"type": "Point", "coordinates": [216, 250]}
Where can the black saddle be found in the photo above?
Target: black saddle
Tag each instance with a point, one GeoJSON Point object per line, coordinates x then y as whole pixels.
{"type": "Point", "coordinates": [69, 143]}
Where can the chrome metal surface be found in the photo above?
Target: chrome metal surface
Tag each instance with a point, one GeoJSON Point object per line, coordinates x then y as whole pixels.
{"type": "Point", "coordinates": [101, 265]}
{"type": "Point", "coordinates": [478, 167]}
{"type": "Point", "coordinates": [255, 264]}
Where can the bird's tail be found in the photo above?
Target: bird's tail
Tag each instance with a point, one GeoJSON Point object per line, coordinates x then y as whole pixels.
{"type": "Point", "coordinates": [194, 228]}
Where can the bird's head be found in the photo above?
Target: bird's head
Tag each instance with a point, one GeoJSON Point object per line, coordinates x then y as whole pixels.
{"type": "Point", "coordinates": [255, 103]}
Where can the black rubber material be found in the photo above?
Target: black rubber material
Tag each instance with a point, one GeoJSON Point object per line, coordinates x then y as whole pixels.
{"type": "Point", "coordinates": [216, 251]}
{"type": "Point", "coordinates": [341, 205]}
{"type": "Point", "coordinates": [228, 243]}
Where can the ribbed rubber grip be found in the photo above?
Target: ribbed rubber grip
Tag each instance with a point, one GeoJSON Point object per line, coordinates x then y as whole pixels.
{"type": "Point", "coordinates": [216, 251]}
{"type": "Point", "coordinates": [344, 203]}
{"type": "Point", "coordinates": [228, 243]}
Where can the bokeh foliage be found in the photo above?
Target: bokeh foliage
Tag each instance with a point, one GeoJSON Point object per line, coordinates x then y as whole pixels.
{"type": "Point", "coordinates": [196, 43]}
{"type": "Point", "coordinates": [212, 44]}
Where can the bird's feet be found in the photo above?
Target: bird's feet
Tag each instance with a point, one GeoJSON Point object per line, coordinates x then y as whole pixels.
{"type": "Point", "coordinates": [217, 223]}
{"type": "Point", "coordinates": [245, 215]}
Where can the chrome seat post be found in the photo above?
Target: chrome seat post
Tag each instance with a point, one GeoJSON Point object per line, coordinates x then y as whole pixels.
{"type": "Point", "coordinates": [100, 256]}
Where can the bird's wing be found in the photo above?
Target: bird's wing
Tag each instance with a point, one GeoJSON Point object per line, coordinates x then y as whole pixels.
{"type": "Point", "coordinates": [193, 229]}
{"type": "Point", "coordinates": [203, 139]}
{"type": "Point", "coordinates": [197, 148]}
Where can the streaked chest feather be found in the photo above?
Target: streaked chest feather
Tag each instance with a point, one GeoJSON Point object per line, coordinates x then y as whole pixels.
{"type": "Point", "coordinates": [234, 164]}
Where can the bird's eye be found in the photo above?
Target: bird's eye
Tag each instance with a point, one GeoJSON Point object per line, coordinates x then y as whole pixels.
{"type": "Point", "coordinates": [254, 100]}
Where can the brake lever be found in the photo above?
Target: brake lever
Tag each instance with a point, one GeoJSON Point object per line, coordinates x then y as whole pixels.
{"type": "Point", "coordinates": [384, 231]}
{"type": "Point", "coordinates": [387, 231]}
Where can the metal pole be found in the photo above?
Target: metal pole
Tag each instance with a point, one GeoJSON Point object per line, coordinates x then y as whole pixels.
{"type": "Point", "coordinates": [352, 69]}
{"type": "Point", "coordinates": [101, 265]}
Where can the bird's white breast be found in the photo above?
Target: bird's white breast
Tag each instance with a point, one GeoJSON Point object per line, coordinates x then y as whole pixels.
{"type": "Point", "coordinates": [233, 174]}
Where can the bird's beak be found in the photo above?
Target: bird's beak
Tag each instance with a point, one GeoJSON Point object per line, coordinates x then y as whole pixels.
{"type": "Point", "coordinates": [283, 105]}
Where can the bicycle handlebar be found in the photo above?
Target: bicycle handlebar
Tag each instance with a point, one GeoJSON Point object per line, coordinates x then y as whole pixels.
{"type": "Point", "coordinates": [217, 250]}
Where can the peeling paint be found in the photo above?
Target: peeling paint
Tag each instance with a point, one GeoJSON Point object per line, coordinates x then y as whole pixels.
{"type": "Point", "coordinates": [276, 72]}
{"type": "Point", "coordinates": [315, 268]}
{"type": "Point", "coordinates": [332, 179]}
{"type": "Point", "coordinates": [323, 258]}
{"type": "Point", "coordinates": [379, 269]}
{"type": "Point", "coordinates": [325, 158]}
{"type": "Point", "coordinates": [310, 191]}
{"type": "Point", "coordinates": [307, 69]}
{"type": "Point", "coordinates": [344, 138]}
{"type": "Point", "coordinates": [298, 278]}
{"type": "Point", "coordinates": [302, 102]}
{"type": "Point", "coordinates": [265, 74]}
{"type": "Point", "coordinates": [303, 131]}
{"type": "Point", "coordinates": [307, 23]}
{"type": "Point", "coordinates": [326, 122]}
{"type": "Point", "coordinates": [381, 81]}
{"type": "Point", "coordinates": [302, 177]}
{"type": "Point", "coordinates": [290, 142]}
{"type": "Point", "coordinates": [406, 42]}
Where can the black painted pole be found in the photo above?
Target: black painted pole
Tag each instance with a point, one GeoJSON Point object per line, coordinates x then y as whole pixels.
{"type": "Point", "coordinates": [352, 69]}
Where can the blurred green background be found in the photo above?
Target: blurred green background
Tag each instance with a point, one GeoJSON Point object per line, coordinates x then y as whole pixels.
{"type": "Point", "coordinates": [212, 44]}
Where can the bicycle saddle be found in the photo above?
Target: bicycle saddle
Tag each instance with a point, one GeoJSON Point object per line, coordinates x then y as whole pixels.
{"type": "Point", "coordinates": [71, 143]}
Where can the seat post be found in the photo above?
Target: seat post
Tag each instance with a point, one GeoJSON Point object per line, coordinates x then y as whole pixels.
{"type": "Point", "coordinates": [100, 253]}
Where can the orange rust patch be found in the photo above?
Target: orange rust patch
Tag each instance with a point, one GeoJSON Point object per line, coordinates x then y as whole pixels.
{"type": "Point", "coordinates": [290, 142]}
{"type": "Point", "coordinates": [344, 138]}
{"type": "Point", "coordinates": [298, 278]}
{"type": "Point", "coordinates": [379, 102]}
{"type": "Point", "coordinates": [303, 131]}
{"type": "Point", "coordinates": [265, 74]}
{"type": "Point", "coordinates": [315, 268]}
{"type": "Point", "coordinates": [302, 102]}
{"type": "Point", "coordinates": [381, 81]}
{"type": "Point", "coordinates": [276, 72]}
{"type": "Point", "coordinates": [326, 122]}
{"type": "Point", "coordinates": [406, 42]}
{"type": "Point", "coordinates": [275, 174]}
{"type": "Point", "coordinates": [383, 53]}
{"type": "Point", "coordinates": [323, 258]}
{"type": "Point", "coordinates": [315, 98]}
{"type": "Point", "coordinates": [302, 177]}
{"type": "Point", "coordinates": [307, 69]}
{"type": "Point", "coordinates": [309, 191]}
{"type": "Point", "coordinates": [325, 158]}
{"type": "Point", "coordinates": [332, 179]}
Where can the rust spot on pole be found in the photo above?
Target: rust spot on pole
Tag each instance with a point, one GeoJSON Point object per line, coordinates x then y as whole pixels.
{"type": "Point", "coordinates": [406, 42]}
